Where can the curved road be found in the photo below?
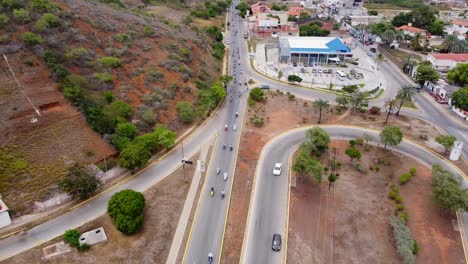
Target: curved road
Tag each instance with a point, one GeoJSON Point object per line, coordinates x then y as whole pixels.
{"type": "Point", "coordinates": [269, 203]}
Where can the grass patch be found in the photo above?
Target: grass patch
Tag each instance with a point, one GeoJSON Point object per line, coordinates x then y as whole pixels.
{"type": "Point", "coordinates": [402, 55]}
{"type": "Point", "coordinates": [409, 104]}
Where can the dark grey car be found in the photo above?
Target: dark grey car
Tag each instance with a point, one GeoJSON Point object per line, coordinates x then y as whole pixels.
{"type": "Point", "coordinates": [276, 243]}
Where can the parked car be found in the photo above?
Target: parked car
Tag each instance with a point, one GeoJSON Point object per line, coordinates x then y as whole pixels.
{"type": "Point", "coordinates": [319, 70]}
{"type": "Point", "coordinates": [277, 169]}
{"type": "Point", "coordinates": [314, 70]}
{"type": "Point", "coordinates": [302, 70]}
{"type": "Point", "coordinates": [373, 50]}
{"type": "Point", "coordinates": [294, 64]}
{"type": "Point", "coordinates": [265, 87]}
{"type": "Point", "coordinates": [325, 71]}
{"type": "Point", "coordinates": [330, 70]}
{"type": "Point", "coordinates": [276, 243]}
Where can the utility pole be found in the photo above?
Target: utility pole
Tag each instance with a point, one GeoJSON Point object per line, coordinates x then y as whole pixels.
{"type": "Point", "coordinates": [19, 86]}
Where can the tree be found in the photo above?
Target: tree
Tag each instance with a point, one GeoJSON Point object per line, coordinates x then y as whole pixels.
{"type": "Point", "coordinates": [402, 19]}
{"type": "Point", "coordinates": [30, 38]}
{"type": "Point", "coordinates": [353, 153]}
{"type": "Point", "coordinates": [225, 79]}
{"type": "Point", "coordinates": [275, 7]}
{"type": "Point", "coordinates": [425, 72]}
{"type": "Point", "coordinates": [459, 74]}
{"type": "Point", "coordinates": [242, 7]}
{"type": "Point", "coordinates": [79, 181]}
{"type": "Point", "coordinates": [331, 179]}
{"type": "Point", "coordinates": [405, 94]}
{"type": "Point", "coordinates": [3, 20]}
{"type": "Point", "coordinates": [350, 88]}
{"type": "Point", "coordinates": [313, 30]}
{"type": "Point", "coordinates": [318, 140]}
{"type": "Point", "coordinates": [305, 164]}
{"type": "Point", "coordinates": [22, 16]}
{"type": "Point", "coordinates": [379, 59]}
{"type": "Point", "coordinates": [416, 42]}
{"type": "Point", "coordinates": [460, 98]}
{"type": "Point", "coordinates": [372, 13]}
{"type": "Point", "coordinates": [134, 156]}
{"type": "Point", "coordinates": [388, 36]}
{"type": "Point", "coordinates": [358, 100]}
{"type": "Point", "coordinates": [185, 111]}
{"type": "Point", "coordinates": [294, 78]}
{"type": "Point", "coordinates": [108, 96]}
{"type": "Point", "coordinates": [320, 105]}
{"type": "Point", "coordinates": [391, 135]}
{"type": "Point", "coordinates": [446, 140]}
{"type": "Point", "coordinates": [447, 190]}
{"type": "Point", "coordinates": [423, 16]}
{"type": "Point", "coordinates": [342, 100]}
{"type": "Point", "coordinates": [367, 138]}
{"type": "Point", "coordinates": [126, 129]}
{"type": "Point", "coordinates": [72, 237]}
{"type": "Point", "coordinates": [257, 95]}
{"type": "Point", "coordinates": [126, 208]}
{"type": "Point", "coordinates": [436, 28]}
{"type": "Point", "coordinates": [379, 28]}
{"type": "Point", "coordinates": [452, 44]}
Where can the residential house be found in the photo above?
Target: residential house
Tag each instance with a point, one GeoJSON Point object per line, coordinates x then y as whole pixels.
{"type": "Point", "coordinates": [445, 61]}
{"type": "Point", "coordinates": [413, 31]}
{"type": "Point", "coordinates": [259, 7]}
{"type": "Point", "coordinates": [440, 90]}
{"type": "Point", "coordinates": [295, 11]}
{"type": "Point", "coordinates": [4, 215]}
{"type": "Point", "coordinates": [458, 28]}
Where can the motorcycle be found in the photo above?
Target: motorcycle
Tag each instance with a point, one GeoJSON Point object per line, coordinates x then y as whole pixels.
{"type": "Point", "coordinates": [222, 194]}
{"type": "Point", "coordinates": [239, 94]}
{"type": "Point", "coordinates": [217, 171]}
{"type": "Point", "coordinates": [230, 99]}
{"type": "Point", "coordinates": [210, 258]}
{"type": "Point", "coordinates": [234, 127]}
{"type": "Point", "coordinates": [237, 114]}
{"type": "Point", "coordinates": [224, 146]}
{"type": "Point", "coordinates": [225, 176]}
{"type": "Point", "coordinates": [230, 148]}
{"type": "Point", "coordinates": [212, 191]}
{"type": "Point", "coordinates": [225, 127]}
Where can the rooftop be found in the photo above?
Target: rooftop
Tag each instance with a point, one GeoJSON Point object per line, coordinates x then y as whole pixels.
{"type": "Point", "coordinates": [460, 22]}
{"type": "Point", "coordinates": [450, 56]}
{"type": "Point", "coordinates": [317, 45]}
{"type": "Point", "coordinates": [411, 29]}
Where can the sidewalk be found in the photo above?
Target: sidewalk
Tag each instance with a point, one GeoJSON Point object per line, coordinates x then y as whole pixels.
{"type": "Point", "coordinates": [185, 215]}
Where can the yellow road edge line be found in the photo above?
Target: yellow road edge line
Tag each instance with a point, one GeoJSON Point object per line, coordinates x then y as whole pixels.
{"type": "Point", "coordinates": [232, 183]}
{"type": "Point", "coordinates": [199, 200]}
{"type": "Point", "coordinates": [462, 234]}
{"type": "Point", "coordinates": [288, 205]}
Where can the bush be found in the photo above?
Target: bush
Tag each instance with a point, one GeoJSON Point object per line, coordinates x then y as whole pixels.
{"type": "Point", "coordinates": [352, 142]}
{"type": "Point", "coordinates": [79, 181]}
{"type": "Point", "coordinates": [404, 216]}
{"type": "Point", "coordinates": [47, 21]}
{"type": "Point", "coordinates": [257, 95]}
{"type": "Point", "coordinates": [148, 31]}
{"type": "Point", "coordinates": [447, 190]}
{"type": "Point", "coordinates": [72, 237]}
{"type": "Point", "coordinates": [415, 247]}
{"type": "Point", "coordinates": [359, 141]}
{"type": "Point", "coordinates": [30, 38]}
{"type": "Point", "coordinates": [10, 4]}
{"type": "Point", "coordinates": [75, 53]}
{"type": "Point", "coordinates": [84, 247]}
{"type": "Point", "coordinates": [43, 6]}
{"type": "Point", "coordinates": [110, 62]}
{"type": "Point", "coordinates": [374, 110]}
{"type": "Point", "coordinates": [3, 20]}
{"type": "Point", "coordinates": [108, 96]}
{"type": "Point", "coordinates": [258, 121]}
{"type": "Point", "coordinates": [185, 111]}
{"type": "Point", "coordinates": [126, 208]}
{"type": "Point", "coordinates": [149, 116]}
{"type": "Point", "coordinates": [412, 171]}
{"type": "Point", "coordinates": [405, 178]}
{"type": "Point", "coordinates": [22, 16]}
{"type": "Point", "coordinates": [104, 77]}
{"type": "Point", "coordinates": [353, 153]}
{"type": "Point", "coordinates": [400, 207]}
{"type": "Point", "coordinates": [134, 156]}
{"type": "Point", "coordinates": [404, 241]}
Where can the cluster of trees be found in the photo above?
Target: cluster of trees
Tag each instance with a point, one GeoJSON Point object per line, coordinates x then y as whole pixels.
{"type": "Point", "coordinates": [306, 162]}
{"type": "Point", "coordinates": [242, 7]}
{"type": "Point", "coordinates": [79, 181]}
{"type": "Point", "coordinates": [277, 7]}
{"type": "Point", "coordinates": [425, 72]}
{"type": "Point", "coordinates": [405, 94]}
{"type": "Point", "coordinates": [209, 98]}
{"type": "Point", "coordinates": [391, 135]}
{"type": "Point", "coordinates": [294, 78]}
{"type": "Point", "coordinates": [217, 46]}
{"type": "Point", "coordinates": [257, 95]}
{"type": "Point", "coordinates": [126, 209]}
{"type": "Point", "coordinates": [422, 17]}
{"type": "Point", "coordinates": [447, 190]}
{"type": "Point", "coordinates": [211, 9]}
{"type": "Point", "coordinates": [459, 74]}
{"type": "Point", "coordinates": [452, 44]}
{"type": "Point", "coordinates": [353, 98]}
{"type": "Point", "coordinates": [313, 29]}
{"type": "Point", "coordinates": [460, 98]}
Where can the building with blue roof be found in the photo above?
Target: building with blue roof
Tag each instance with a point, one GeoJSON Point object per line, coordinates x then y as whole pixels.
{"type": "Point", "coordinates": [313, 50]}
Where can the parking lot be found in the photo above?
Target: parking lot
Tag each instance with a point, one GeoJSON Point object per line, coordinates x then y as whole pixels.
{"type": "Point", "coordinates": [361, 69]}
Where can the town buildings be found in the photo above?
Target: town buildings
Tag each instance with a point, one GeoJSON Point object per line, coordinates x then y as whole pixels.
{"type": "Point", "coordinates": [445, 61]}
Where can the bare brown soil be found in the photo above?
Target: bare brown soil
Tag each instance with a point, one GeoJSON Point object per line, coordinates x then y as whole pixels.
{"type": "Point", "coordinates": [294, 113]}
{"type": "Point", "coordinates": [349, 222]}
{"type": "Point", "coordinates": [164, 203]}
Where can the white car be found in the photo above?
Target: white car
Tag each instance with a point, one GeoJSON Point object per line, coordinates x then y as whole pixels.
{"type": "Point", "coordinates": [277, 169]}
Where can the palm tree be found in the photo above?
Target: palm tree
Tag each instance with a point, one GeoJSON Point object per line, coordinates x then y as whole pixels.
{"type": "Point", "coordinates": [415, 43]}
{"type": "Point", "coordinates": [405, 94]}
{"type": "Point", "coordinates": [379, 59]}
{"type": "Point", "coordinates": [320, 105]}
{"type": "Point", "coordinates": [460, 46]}
{"type": "Point", "coordinates": [449, 42]}
{"type": "Point", "coordinates": [388, 36]}
{"type": "Point", "coordinates": [390, 105]}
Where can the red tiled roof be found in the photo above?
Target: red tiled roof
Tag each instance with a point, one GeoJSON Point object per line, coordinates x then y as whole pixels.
{"type": "Point", "coordinates": [460, 22]}
{"type": "Point", "coordinates": [411, 29]}
{"type": "Point", "coordinates": [450, 56]}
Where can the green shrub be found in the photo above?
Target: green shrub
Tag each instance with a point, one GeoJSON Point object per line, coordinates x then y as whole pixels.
{"type": "Point", "coordinates": [43, 6]}
{"type": "Point", "coordinates": [404, 241]}
{"type": "Point", "coordinates": [352, 142]}
{"type": "Point", "coordinates": [404, 216]}
{"type": "Point", "coordinates": [3, 20]}
{"type": "Point", "coordinates": [149, 116]}
{"type": "Point", "coordinates": [415, 247]}
{"type": "Point", "coordinates": [110, 62]}
{"type": "Point", "coordinates": [185, 111]}
{"type": "Point", "coordinates": [377, 168]}
{"type": "Point", "coordinates": [251, 102]}
{"type": "Point", "coordinates": [400, 207]}
{"type": "Point", "coordinates": [134, 156]}
{"type": "Point", "coordinates": [72, 237]}
{"type": "Point", "coordinates": [126, 208]}
{"type": "Point", "coordinates": [122, 37]}
{"type": "Point", "coordinates": [108, 96]}
{"type": "Point", "coordinates": [395, 188]}
{"type": "Point", "coordinates": [104, 77]}
{"type": "Point", "coordinates": [84, 247]}
{"type": "Point", "coordinates": [75, 53]}
{"type": "Point", "coordinates": [148, 31]}
{"type": "Point", "coordinates": [257, 95]}
{"type": "Point", "coordinates": [154, 75]}
{"type": "Point", "coordinates": [359, 141]}
{"type": "Point", "coordinates": [10, 4]}
{"type": "Point", "coordinates": [47, 21]}
{"type": "Point", "coordinates": [258, 121]}
{"type": "Point", "coordinates": [412, 171]}
{"type": "Point", "coordinates": [30, 38]}
{"type": "Point", "coordinates": [60, 72]}
{"type": "Point", "coordinates": [393, 195]}
{"type": "Point", "coordinates": [405, 178]}
{"type": "Point", "coordinates": [22, 16]}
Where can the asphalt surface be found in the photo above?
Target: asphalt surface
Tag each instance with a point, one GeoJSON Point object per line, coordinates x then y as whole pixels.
{"type": "Point", "coordinates": [269, 202]}
{"type": "Point", "coordinates": [208, 228]}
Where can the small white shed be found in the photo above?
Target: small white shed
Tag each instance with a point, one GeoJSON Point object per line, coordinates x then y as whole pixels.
{"type": "Point", "coordinates": [5, 219]}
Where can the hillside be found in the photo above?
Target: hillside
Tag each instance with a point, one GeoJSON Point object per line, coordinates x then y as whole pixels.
{"type": "Point", "coordinates": [78, 62]}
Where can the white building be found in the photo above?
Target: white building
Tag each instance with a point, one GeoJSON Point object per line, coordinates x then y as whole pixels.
{"type": "Point", "coordinates": [446, 61]}
{"type": "Point", "coordinates": [365, 20]}
{"type": "Point", "coordinates": [458, 28]}
{"type": "Point", "coordinates": [4, 215]}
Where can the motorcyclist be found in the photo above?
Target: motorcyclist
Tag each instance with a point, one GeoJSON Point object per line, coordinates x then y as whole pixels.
{"type": "Point", "coordinates": [222, 194]}
{"type": "Point", "coordinates": [234, 127]}
{"type": "Point", "coordinates": [224, 146]}
{"type": "Point", "coordinates": [230, 147]}
{"type": "Point", "coordinates": [225, 127]}
{"type": "Point", "coordinates": [210, 258]}
{"type": "Point", "coordinates": [217, 171]}
{"type": "Point", "coordinates": [212, 191]}
{"type": "Point", "coordinates": [239, 93]}
{"type": "Point", "coordinates": [237, 114]}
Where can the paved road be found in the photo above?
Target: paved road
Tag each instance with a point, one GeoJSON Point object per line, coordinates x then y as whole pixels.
{"type": "Point", "coordinates": [269, 202]}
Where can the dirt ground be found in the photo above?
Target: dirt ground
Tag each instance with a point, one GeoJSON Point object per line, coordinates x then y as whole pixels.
{"type": "Point", "coordinates": [349, 222]}
{"type": "Point", "coordinates": [164, 203]}
{"type": "Point", "coordinates": [291, 114]}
